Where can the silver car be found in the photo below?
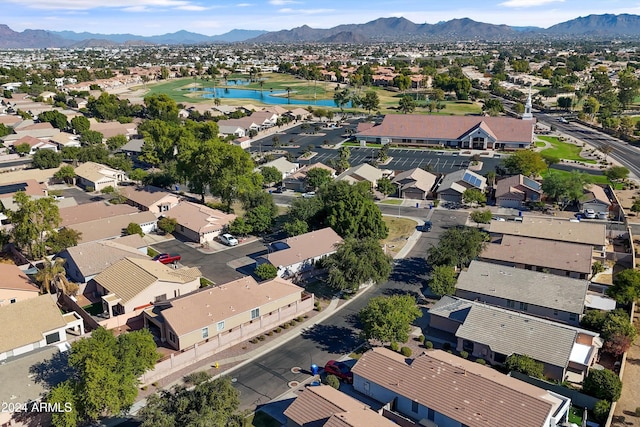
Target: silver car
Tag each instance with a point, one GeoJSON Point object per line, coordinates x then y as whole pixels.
{"type": "Point", "coordinates": [228, 239]}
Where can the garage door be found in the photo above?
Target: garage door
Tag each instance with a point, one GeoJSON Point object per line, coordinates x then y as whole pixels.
{"type": "Point", "coordinates": [507, 203]}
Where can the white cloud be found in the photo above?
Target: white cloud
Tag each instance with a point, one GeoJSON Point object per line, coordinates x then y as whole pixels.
{"type": "Point", "coordinates": [528, 3]}
{"type": "Point", "coordinates": [243, 5]}
{"type": "Point", "coordinates": [136, 9]}
{"type": "Point", "coordinates": [92, 4]}
{"type": "Point", "coordinates": [192, 8]}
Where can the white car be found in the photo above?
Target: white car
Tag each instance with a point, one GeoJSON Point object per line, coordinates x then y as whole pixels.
{"type": "Point", "coordinates": [228, 239]}
{"type": "Point", "coordinates": [590, 214]}
{"type": "Point", "coordinates": [497, 218]}
{"type": "Point", "coordinates": [309, 195]}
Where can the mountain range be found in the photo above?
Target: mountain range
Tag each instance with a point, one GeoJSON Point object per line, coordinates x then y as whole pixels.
{"type": "Point", "coordinates": [382, 29]}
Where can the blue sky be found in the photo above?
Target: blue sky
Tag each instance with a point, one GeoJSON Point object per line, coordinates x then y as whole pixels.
{"type": "Point", "coordinates": [212, 17]}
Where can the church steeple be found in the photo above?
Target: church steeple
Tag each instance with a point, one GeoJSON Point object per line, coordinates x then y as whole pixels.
{"type": "Point", "coordinates": [528, 115]}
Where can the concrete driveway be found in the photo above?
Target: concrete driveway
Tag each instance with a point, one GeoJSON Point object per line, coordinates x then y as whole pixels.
{"type": "Point", "coordinates": [219, 267]}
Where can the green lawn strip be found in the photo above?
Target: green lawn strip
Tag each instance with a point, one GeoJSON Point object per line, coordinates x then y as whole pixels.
{"type": "Point", "coordinates": [564, 150]}
{"type": "Point", "coordinates": [595, 179]}
{"type": "Point", "coordinates": [391, 202]}
{"type": "Point", "coordinates": [540, 144]}
{"type": "Point", "coordinates": [575, 415]}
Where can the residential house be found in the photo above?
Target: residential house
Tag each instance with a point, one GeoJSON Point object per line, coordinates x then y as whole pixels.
{"type": "Point", "coordinates": [364, 172]}
{"type": "Point", "coordinates": [439, 389]}
{"type": "Point", "coordinates": [561, 258]}
{"type": "Point", "coordinates": [111, 129]}
{"type": "Point", "coordinates": [133, 148]}
{"type": "Point", "coordinates": [299, 253]}
{"type": "Point", "coordinates": [31, 187]}
{"type": "Point", "coordinates": [35, 144]}
{"type": "Point", "coordinates": [149, 198]}
{"type": "Point", "coordinates": [298, 114]}
{"type": "Point", "coordinates": [93, 211]}
{"type": "Point", "coordinates": [555, 229]}
{"type": "Point", "coordinates": [284, 166]}
{"type": "Point", "coordinates": [34, 323]}
{"type": "Point", "coordinates": [65, 139]}
{"type": "Point", "coordinates": [85, 261]}
{"type": "Point", "coordinates": [470, 132]}
{"type": "Point", "coordinates": [15, 285]}
{"type": "Point", "coordinates": [549, 296]}
{"type": "Point", "coordinates": [516, 190]}
{"type": "Point", "coordinates": [595, 198]}
{"type": "Point", "coordinates": [493, 334]}
{"type": "Point", "coordinates": [97, 176]}
{"type": "Point", "coordinates": [231, 127]}
{"type": "Point", "coordinates": [114, 227]}
{"type": "Point", "coordinates": [199, 223]}
{"type": "Point", "coordinates": [297, 181]}
{"type": "Point", "coordinates": [227, 314]}
{"type": "Point", "coordinates": [454, 184]}
{"type": "Point", "coordinates": [43, 131]}
{"type": "Point", "coordinates": [415, 183]}
{"type": "Point", "coordinates": [132, 284]}
{"type": "Point", "coordinates": [325, 406]}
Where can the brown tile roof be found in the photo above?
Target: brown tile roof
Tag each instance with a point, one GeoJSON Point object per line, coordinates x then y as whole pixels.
{"type": "Point", "coordinates": [595, 192]}
{"type": "Point", "coordinates": [325, 406]}
{"type": "Point", "coordinates": [214, 304]}
{"type": "Point", "coordinates": [451, 127]}
{"type": "Point", "coordinates": [36, 126]}
{"type": "Point", "coordinates": [14, 278]}
{"type": "Point", "coordinates": [200, 218]}
{"type": "Point", "coordinates": [560, 229]}
{"type": "Point", "coordinates": [92, 211]}
{"type": "Point", "coordinates": [9, 120]}
{"type": "Point", "coordinates": [306, 246]}
{"type": "Point", "coordinates": [465, 391]}
{"type": "Point", "coordinates": [27, 140]}
{"type": "Point", "coordinates": [29, 186]}
{"type": "Point", "coordinates": [145, 196]}
{"type": "Point", "coordinates": [96, 171]}
{"type": "Point", "coordinates": [541, 253]}
{"type": "Point", "coordinates": [110, 227]}
{"type": "Point", "coordinates": [94, 257]}
{"type": "Point", "coordinates": [25, 322]}
{"type": "Point", "coordinates": [130, 276]}
{"type": "Point", "coordinates": [508, 186]}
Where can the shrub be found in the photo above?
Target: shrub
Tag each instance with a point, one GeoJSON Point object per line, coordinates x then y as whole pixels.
{"type": "Point", "coordinates": [253, 340]}
{"type": "Point", "coordinates": [464, 354]}
{"type": "Point", "coordinates": [277, 330]}
{"type": "Point", "coordinates": [637, 412]}
{"type": "Point", "coordinates": [299, 319]}
{"type": "Point", "coordinates": [108, 190]}
{"type": "Point", "coordinates": [603, 384]}
{"type": "Point", "coordinates": [261, 337]}
{"type": "Point", "coordinates": [155, 384]}
{"type": "Point", "coordinates": [332, 381]}
{"type": "Point", "coordinates": [285, 326]}
{"type": "Point", "coordinates": [394, 346]}
{"type": "Point", "coordinates": [89, 189]}
{"type": "Point", "coordinates": [421, 339]}
{"type": "Point", "coordinates": [428, 345]}
{"type": "Point", "coordinates": [197, 377]}
{"type": "Point", "coordinates": [525, 365]}
{"type": "Point", "coordinates": [481, 361]}
{"type": "Point", "coordinates": [266, 271]}
{"type": "Point", "coordinates": [270, 333]}
{"type": "Point", "coordinates": [405, 351]}
{"type": "Point", "coordinates": [601, 410]}
{"type": "Point", "coordinates": [168, 225]}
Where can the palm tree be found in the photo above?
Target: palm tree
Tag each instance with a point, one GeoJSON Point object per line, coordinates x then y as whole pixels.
{"type": "Point", "coordinates": [53, 273]}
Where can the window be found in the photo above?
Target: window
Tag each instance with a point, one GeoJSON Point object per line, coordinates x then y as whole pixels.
{"type": "Point", "coordinates": [255, 313]}
{"type": "Point", "coordinates": [172, 337]}
{"type": "Point", "coordinates": [220, 326]}
{"type": "Point", "coordinates": [414, 406]}
{"type": "Point", "coordinates": [51, 338]}
{"type": "Point", "coordinates": [572, 317]}
{"type": "Point", "coordinates": [430, 414]}
{"type": "Point", "coordinates": [511, 304]}
{"type": "Point", "coordinates": [161, 298]}
{"type": "Point", "coordinates": [524, 306]}
{"type": "Point", "coordinates": [205, 333]}
{"type": "Point", "coordinates": [12, 300]}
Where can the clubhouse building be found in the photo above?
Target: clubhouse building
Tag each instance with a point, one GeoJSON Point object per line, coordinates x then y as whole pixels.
{"type": "Point", "coordinates": [466, 132]}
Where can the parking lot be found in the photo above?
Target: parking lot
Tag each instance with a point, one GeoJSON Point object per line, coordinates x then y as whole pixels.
{"type": "Point", "coordinates": [219, 267]}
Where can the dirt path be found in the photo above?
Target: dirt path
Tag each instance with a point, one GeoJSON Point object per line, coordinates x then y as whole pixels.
{"type": "Point", "coordinates": [625, 409]}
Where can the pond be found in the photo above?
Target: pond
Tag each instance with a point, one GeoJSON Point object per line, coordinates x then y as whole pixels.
{"type": "Point", "coordinates": [267, 96]}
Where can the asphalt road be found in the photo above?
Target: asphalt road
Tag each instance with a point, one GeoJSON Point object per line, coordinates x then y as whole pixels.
{"type": "Point", "coordinates": [219, 267]}
{"type": "Point", "coordinates": [267, 376]}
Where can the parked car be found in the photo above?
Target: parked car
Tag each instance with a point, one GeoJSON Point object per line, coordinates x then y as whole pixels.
{"type": "Point", "coordinates": [309, 195]}
{"type": "Point", "coordinates": [427, 226]}
{"type": "Point", "coordinates": [340, 370]}
{"type": "Point", "coordinates": [280, 189]}
{"type": "Point", "coordinates": [228, 239]}
{"type": "Point", "coordinates": [497, 218]}
{"type": "Point", "coordinates": [590, 214]}
{"type": "Point", "coordinates": [167, 258]}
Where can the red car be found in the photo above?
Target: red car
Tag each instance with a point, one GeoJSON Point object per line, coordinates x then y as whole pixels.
{"type": "Point", "coordinates": [167, 258]}
{"type": "Point", "coordinates": [340, 370]}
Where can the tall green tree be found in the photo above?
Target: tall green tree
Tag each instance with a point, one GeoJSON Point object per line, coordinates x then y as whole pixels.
{"type": "Point", "coordinates": [161, 107]}
{"type": "Point", "coordinates": [80, 124]}
{"type": "Point", "coordinates": [210, 403]}
{"type": "Point", "coordinates": [65, 173]}
{"type": "Point", "coordinates": [46, 159]}
{"type": "Point", "coordinates": [105, 372]}
{"type": "Point", "coordinates": [270, 174]}
{"type": "Point", "coordinates": [357, 262]}
{"type": "Point", "coordinates": [33, 220]}
{"type": "Point", "coordinates": [407, 104]}
{"type": "Point", "coordinates": [116, 141]}
{"type": "Point", "coordinates": [389, 318]}
{"type": "Point", "coordinates": [603, 384]}
{"type": "Point", "coordinates": [443, 280]}
{"type": "Point", "coordinates": [525, 162]}
{"type": "Point", "coordinates": [317, 177]}
{"type": "Point", "coordinates": [565, 189]}
{"type": "Point", "coordinates": [385, 186]}
{"type": "Point", "coordinates": [370, 101]}
{"type": "Point", "coordinates": [295, 227]}
{"type": "Point", "coordinates": [525, 365]}
{"type": "Point", "coordinates": [55, 117]}
{"type": "Point", "coordinates": [91, 137]}
{"type": "Point", "coordinates": [474, 196]}
{"type": "Point", "coordinates": [458, 246]}
{"type": "Point", "coordinates": [626, 286]}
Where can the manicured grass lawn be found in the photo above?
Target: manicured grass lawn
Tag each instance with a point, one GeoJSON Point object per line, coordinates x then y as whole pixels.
{"type": "Point", "coordinates": [94, 309]}
{"type": "Point", "coordinates": [575, 415]}
{"type": "Point", "coordinates": [261, 419]}
{"type": "Point", "coordinates": [391, 202]}
{"type": "Point", "coordinates": [540, 144]}
{"type": "Point", "coordinates": [563, 150]}
{"type": "Point", "coordinates": [175, 89]}
{"type": "Point", "coordinates": [595, 179]}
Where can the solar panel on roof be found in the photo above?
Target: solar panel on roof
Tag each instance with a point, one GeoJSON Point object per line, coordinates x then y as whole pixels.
{"type": "Point", "coordinates": [531, 183]}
